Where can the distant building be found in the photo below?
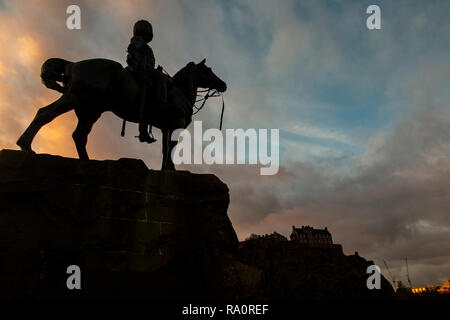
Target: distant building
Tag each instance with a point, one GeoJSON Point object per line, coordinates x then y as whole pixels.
{"type": "Point", "coordinates": [275, 236]}
{"type": "Point", "coordinates": [445, 289]}
{"type": "Point", "coordinates": [427, 290]}
{"type": "Point", "coordinates": [311, 236]}
{"type": "Point", "coordinates": [302, 238]}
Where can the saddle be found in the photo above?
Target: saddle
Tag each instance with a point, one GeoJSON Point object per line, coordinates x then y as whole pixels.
{"type": "Point", "coordinates": [157, 84]}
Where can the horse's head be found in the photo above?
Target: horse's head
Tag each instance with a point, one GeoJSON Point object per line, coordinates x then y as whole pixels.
{"type": "Point", "coordinates": [206, 78]}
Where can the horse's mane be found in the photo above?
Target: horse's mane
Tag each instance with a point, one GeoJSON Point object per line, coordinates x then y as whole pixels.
{"type": "Point", "coordinates": [180, 76]}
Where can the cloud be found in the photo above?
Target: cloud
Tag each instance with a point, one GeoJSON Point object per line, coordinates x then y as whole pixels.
{"type": "Point", "coordinates": [290, 44]}
{"type": "Point", "coordinates": [320, 133]}
{"type": "Point", "coordinates": [398, 201]}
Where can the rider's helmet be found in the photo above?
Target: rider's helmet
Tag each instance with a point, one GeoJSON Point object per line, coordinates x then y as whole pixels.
{"type": "Point", "coordinates": [143, 29]}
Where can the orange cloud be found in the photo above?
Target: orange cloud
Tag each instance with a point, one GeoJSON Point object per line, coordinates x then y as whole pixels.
{"type": "Point", "coordinates": [22, 94]}
{"type": "Point", "coordinates": [29, 51]}
{"type": "Point", "coordinates": [3, 69]}
{"type": "Point", "coordinates": [56, 137]}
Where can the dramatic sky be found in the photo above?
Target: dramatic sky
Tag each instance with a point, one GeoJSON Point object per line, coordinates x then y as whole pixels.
{"type": "Point", "coordinates": [364, 116]}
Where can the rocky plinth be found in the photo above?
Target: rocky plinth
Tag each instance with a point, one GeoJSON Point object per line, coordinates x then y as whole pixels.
{"type": "Point", "coordinates": [132, 231]}
{"type": "Point", "coordinates": [140, 233]}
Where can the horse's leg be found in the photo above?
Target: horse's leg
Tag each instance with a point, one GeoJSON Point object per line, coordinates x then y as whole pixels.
{"type": "Point", "coordinates": [43, 116]}
{"type": "Point", "coordinates": [80, 135]}
{"type": "Point", "coordinates": [164, 148]}
{"type": "Point", "coordinates": [170, 145]}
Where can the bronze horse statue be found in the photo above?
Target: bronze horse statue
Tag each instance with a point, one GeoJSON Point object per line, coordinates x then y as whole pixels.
{"type": "Point", "coordinates": [91, 87]}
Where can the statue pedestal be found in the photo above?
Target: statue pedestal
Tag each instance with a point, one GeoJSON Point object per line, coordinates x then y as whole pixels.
{"type": "Point", "coordinates": [132, 231]}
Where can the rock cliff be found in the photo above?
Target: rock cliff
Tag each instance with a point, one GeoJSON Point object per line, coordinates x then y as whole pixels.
{"type": "Point", "coordinates": [140, 233]}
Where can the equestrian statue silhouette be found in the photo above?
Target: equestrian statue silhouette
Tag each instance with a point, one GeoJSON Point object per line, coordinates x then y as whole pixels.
{"type": "Point", "coordinates": [139, 93]}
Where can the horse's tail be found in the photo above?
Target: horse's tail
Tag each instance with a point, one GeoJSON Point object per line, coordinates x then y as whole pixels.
{"type": "Point", "coordinates": [53, 70]}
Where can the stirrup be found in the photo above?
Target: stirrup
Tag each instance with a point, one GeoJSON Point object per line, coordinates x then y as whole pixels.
{"type": "Point", "coordinates": [146, 137]}
{"type": "Point", "coordinates": [152, 138]}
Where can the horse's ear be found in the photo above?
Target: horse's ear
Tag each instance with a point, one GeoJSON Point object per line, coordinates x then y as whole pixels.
{"type": "Point", "coordinates": [190, 64]}
{"type": "Point", "coordinates": [203, 61]}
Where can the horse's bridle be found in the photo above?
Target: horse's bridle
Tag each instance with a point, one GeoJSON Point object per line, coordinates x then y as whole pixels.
{"type": "Point", "coordinates": [203, 99]}
{"type": "Point", "coordinates": [208, 95]}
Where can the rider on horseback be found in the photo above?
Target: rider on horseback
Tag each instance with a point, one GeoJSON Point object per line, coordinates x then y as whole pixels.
{"type": "Point", "coordinates": [141, 61]}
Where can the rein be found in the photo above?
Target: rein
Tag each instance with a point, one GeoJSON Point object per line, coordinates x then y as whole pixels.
{"type": "Point", "coordinates": [203, 99]}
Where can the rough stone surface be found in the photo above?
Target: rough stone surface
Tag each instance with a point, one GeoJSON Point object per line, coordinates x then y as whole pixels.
{"type": "Point", "coordinates": [296, 271]}
{"type": "Point", "coordinates": [116, 219]}
{"type": "Point", "coordinates": [139, 233]}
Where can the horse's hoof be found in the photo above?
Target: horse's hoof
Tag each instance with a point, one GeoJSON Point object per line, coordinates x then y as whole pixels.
{"type": "Point", "coordinates": [168, 169]}
{"type": "Point", "coordinates": [26, 148]}
{"type": "Point", "coordinates": [145, 137]}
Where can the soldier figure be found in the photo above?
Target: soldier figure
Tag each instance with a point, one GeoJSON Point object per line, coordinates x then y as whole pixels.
{"type": "Point", "coordinates": [141, 60]}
